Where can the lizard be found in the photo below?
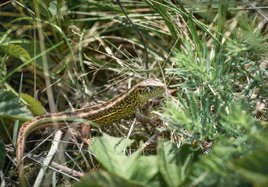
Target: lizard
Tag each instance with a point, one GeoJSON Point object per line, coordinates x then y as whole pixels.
{"type": "Point", "coordinates": [121, 106]}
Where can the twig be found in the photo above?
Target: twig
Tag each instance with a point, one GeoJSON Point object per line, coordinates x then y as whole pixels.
{"type": "Point", "coordinates": [56, 167]}
{"type": "Point", "coordinates": [67, 170]}
{"type": "Point", "coordinates": [49, 157]}
{"type": "Point", "coordinates": [2, 177]}
{"type": "Point", "coordinates": [131, 128]}
{"type": "Point", "coordinates": [151, 139]}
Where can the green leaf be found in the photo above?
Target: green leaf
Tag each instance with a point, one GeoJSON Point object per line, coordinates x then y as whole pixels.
{"type": "Point", "coordinates": [165, 14]}
{"type": "Point", "coordinates": [11, 108]}
{"type": "Point", "coordinates": [17, 51]}
{"type": "Point", "coordinates": [33, 105]}
{"type": "Point", "coordinates": [144, 169]}
{"type": "Point", "coordinates": [174, 163]}
{"type": "Point", "coordinates": [53, 8]}
{"type": "Point", "coordinates": [110, 152]}
{"type": "Point", "coordinates": [104, 179]}
{"type": "Point", "coordinates": [254, 167]}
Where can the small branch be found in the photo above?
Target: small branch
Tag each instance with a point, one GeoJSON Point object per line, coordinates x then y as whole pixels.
{"type": "Point", "coordinates": [56, 167]}
{"type": "Point", "coordinates": [151, 139]}
{"type": "Point", "coordinates": [131, 128]}
{"type": "Point", "coordinates": [67, 170]}
{"type": "Point", "coordinates": [2, 177]}
{"type": "Point", "coordinates": [48, 159]}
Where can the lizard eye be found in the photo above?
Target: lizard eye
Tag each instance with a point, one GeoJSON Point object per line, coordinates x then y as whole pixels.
{"type": "Point", "coordinates": [150, 89]}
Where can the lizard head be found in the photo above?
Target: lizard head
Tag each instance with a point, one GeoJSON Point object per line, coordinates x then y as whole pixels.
{"type": "Point", "coordinates": [149, 88]}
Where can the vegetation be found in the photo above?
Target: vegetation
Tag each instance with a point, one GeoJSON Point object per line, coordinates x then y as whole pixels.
{"type": "Point", "coordinates": [212, 55]}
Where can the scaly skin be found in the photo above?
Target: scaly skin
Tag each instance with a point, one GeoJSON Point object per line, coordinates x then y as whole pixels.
{"type": "Point", "coordinates": [122, 106]}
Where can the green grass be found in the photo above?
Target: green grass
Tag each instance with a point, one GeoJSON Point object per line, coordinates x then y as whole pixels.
{"type": "Point", "coordinates": [212, 56]}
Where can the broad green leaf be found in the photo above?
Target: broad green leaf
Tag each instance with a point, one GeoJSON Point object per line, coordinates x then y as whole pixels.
{"type": "Point", "coordinates": [109, 151]}
{"type": "Point", "coordinates": [33, 105]}
{"type": "Point", "coordinates": [115, 144]}
{"type": "Point", "coordinates": [104, 179]}
{"type": "Point", "coordinates": [11, 108]}
{"type": "Point", "coordinates": [254, 167]}
{"type": "Point", "coordinates": [145, 170]}
{"type": "Point", "coordinates": [174, 163]}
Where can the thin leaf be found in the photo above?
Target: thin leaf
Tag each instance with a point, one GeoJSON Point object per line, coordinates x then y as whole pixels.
{"type": "Point", "coordinates": [16, 51]}
{"type": "Point", "coordinates": [33, 105]}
